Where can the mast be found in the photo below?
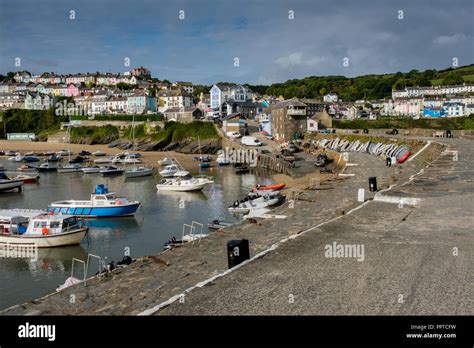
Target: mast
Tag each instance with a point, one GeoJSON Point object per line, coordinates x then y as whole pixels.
{"type": "Point", "coordinates": [133, 142]}
{"type": "Point", "coordinates": [69, 130]}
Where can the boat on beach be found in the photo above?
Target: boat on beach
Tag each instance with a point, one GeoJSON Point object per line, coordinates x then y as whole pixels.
{"type": "Point", "coordinates": [218, 224]}
{"type": "Point", "coordinates": [26, 168]}
{"type": "Point", "coordinates": [166, 161]}
{"type": "Point", "coordinates": [222, 160]}
{"type": "Point", "coordinates": [101, 204]}
{"type": "Point", "coordinates": [29, 159]}
{"type": "Point", "coordinates": [98, 153]}
{"type": "Point", "coordinates": [27, 179]}
{"type": "Point", "coordinates": [103, 160]}
{"type": "Point", "coordinates": [40, 229]}
{"type": "Point", "coordinates": [246, 205]}
{"type": "Point", "coordinates": [271, 187]}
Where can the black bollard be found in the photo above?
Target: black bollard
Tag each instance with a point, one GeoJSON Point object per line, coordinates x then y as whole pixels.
{"type": "Point", "coordinates": [389, 162]}
{"type": "Point", "coordinates": [372, 184]}
{"type": "Point", "coordinates": [237, 252]}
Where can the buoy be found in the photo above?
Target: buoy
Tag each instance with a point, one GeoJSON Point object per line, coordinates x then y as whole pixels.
{"type": "Point", "coordinates": [45, 231]}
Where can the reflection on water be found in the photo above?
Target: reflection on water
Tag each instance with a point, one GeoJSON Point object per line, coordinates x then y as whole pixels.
{"type": "Point", "coordinates": [160, 216]}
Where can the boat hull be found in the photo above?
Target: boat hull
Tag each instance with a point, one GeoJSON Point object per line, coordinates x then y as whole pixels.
{"type": "Point", "coordinates": [183, 188]}
{"type": "Point", "coordinates": [48, 241]}
{"type": "Point", "coordinates": [10, 185]}
{"type": "Point", "coordinates": [137, 174]}
{"type": "Point", "coordinates": [88, 211]}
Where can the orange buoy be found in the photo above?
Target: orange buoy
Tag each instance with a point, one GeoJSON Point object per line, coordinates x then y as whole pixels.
{"type": "Point", "coordinates": [45, 231]}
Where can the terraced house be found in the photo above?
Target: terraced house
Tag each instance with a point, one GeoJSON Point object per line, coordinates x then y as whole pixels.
{"type": "Point", "coordinates": [140, 102]}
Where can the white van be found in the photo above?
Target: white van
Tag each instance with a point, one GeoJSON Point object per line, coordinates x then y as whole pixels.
{"type": "Point", "coordinates": [251, 141]}
{"type": "Point", "coordinates": [233, 135]}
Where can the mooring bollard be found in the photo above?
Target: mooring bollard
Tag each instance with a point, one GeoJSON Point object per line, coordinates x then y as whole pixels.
{"type": "Point", "coordinates": [237, 251]}
{"type": "Point", "coordinates": [361, 195]}
{"type": "Point", "coordinates": [373, 184]}
{"type": "Point", "coordinates": [388, 162]}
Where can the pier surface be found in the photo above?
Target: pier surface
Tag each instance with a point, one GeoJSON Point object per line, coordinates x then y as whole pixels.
{"type": "Point", "coordinates": [417, 259]}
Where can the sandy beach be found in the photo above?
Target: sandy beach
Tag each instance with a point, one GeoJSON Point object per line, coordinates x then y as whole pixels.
{"type": "Point", "coordinates": [149, 157]}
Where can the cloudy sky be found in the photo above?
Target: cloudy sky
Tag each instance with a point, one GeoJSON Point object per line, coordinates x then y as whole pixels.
{"type": "Point", "coordinates": [202, 47]}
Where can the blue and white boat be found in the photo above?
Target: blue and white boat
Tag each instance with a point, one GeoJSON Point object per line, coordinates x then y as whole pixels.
{"type": "Point", "coordinates": [102, 204]}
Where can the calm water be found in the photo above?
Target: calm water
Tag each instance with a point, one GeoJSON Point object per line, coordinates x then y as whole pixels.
{"type": "Point", "coordinates": [159, 218]}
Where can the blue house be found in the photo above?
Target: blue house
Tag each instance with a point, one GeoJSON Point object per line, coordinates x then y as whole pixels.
{"type": "Point", "coordinates": [433, 112]}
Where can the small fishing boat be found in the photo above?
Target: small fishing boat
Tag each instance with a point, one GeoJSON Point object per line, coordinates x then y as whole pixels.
{"type": "Point", "coordinates": [18, 158]}
{"type": "Point", "coordinates": [9, 184]}
{"type": "Point", "coordinates": [166, 161]}
{"type": "Point", "coordinates": [138, 172]}
{"type": "Point", "coordinates": [273, 187]}
{"type": "Point", "coordinates": [169, 171]}
{"type": "Point", "coordinates": [40, 229]}
{"type": "Point", "coordinates": [222, 160]}
{"type": "Point", "coordinates": [99, 153]}
{"type": "Point", "coordinates": [49, 153]}
{"type": "Point", "coordinates": [70, 168]}
{"type": "Point", "coordinates": [245, 206]}
{"type": "Point", "coordinates": [91, 170]}
{"type": "Point", "coordinates": [184, 183]}
{"type": "Point", "coordinates": [54, 158]}
{"type": "Point", "coordinates": [217, 224]}
{"type": "Point", "coordinates": [204, 165]}
{"type": "Point", "coordinates": [103, 160]}
{"type": "Point", "coordinates": [27, 179]}
{"type": "Point", "coordinates": [64, 153]}
{"type": "Point", "coordinates": [10, 153]}
{"type": "Point", "coordinates": [101, 204]}
{"type": "Point", "coordinates": [110, 170]}
{"type": "Point", "coordinates": [242, 170]}
{"type": "Point", "coordinates": [29, 159]}
{"type": "Point", "coordinates": [84, 153]}
{"type": "Point", "coordinates": [26, 168]}
{"type": "Point", "coordinates": [47, 167]}
{"type": "Point", "coordinates": [130, 160]}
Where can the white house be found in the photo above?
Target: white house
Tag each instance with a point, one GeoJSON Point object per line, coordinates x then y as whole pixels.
{"type": "Point", "coordinates": [330, 98]}
{"type": "Point", "coordinates": [453, 109]}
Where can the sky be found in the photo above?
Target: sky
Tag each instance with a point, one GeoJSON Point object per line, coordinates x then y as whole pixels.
{"type": "Point", "coordinates": [242, 41]}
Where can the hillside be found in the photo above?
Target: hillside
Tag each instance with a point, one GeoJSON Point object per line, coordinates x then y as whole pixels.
{"type": "Point", "coordinates": [367, 86]}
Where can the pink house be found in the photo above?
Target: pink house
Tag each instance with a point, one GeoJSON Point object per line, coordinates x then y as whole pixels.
{"type": "Point", "coordinates": [72, 90]}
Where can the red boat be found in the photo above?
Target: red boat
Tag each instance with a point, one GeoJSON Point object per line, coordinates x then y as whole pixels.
{"type": "Point", "coordinates": [273, 187]}
{"type": "Point", "coordinates": [28, 179]}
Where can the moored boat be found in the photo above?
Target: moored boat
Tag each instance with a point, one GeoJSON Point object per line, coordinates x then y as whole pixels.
{"type": "Point", "coordinates": [101, 204]}
{"type": "Point", "coordinates": [9, 184]}
{"type": "Point", "coordinates": [99, 153]}
{"type": "Point", "coordinates": [166, 161]}
{"type": "Point", "coordinates": [272, 187]}
{"type": "Point", "coordinates": [217, 224]}
{"type": "Point", "coordinates": [245, 206]}
{"type": "Point", "coordinates": [138, 172]}
{"type": "Point", "coordinates": [110, 170]}
{"type": "Point", "coordinates": [30, 159]}
{"type": "Point", "coordinates": [47, 167]}
{"type": "Point", "coordinates": [27, 179]}
{"type": "Point", "coordinates": [39, 229]}
{"type": "Point", "coordinates": [182, 183]}
{"type": "Point", "coordinates": [169, 171]}
{"type": "Point", "coordinates": [70, 168]}
{"type": "Point", "coordinates": [91, 170]}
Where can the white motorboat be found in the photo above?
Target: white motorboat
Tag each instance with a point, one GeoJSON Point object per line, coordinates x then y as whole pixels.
{"type": "Point", "coordinates": [36, 228]}
{"type": "Point", "coordinates": [18, 158]}
{"type": "Point", "coordinates": [64, 153]}
{"type": "Point", "coordinates": [245, 206]}
{"type": "Point", "coordinates": [105, 171]}
{"type": "Point", "coordinates": [99, 153]}
{"type": "Point", "coordinates": [91, 170]}
{"type": "Point", "coordinates": [183, 183]}
{"type": "Point", "coordinates": [138, 172]}
{"type": "Point", "coordinates": [8, 185]}
{"type": "Point", "coordinates": [131, 160]}
{"type": "Point", "coordinates": [218, 224]}
{"type": "Point", "coordinates": [47, 167]}
{"type": "Point", "coordinates": [70, 168]}
{"type": "Point", "coordinates": [169, 171]}
{"type": "Point", "coordinates": [103, 160]}
{"type": "Point", "coordinates": [166, 161]}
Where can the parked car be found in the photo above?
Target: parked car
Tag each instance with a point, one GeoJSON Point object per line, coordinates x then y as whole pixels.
{"type": "Point", "coordinates": [392, 132]}
{"type": "Point", "coordinates": [233, 135]}
{"type": "Point", "coordinates": [251, 141]}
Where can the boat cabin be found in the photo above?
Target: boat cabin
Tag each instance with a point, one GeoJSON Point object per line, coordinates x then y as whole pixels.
{"type": "Point", "coordinates": [35, 222]}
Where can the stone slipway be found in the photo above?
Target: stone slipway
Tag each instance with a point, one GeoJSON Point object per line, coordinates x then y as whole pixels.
{"type": "Point", "coordinates": [295, 268]}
